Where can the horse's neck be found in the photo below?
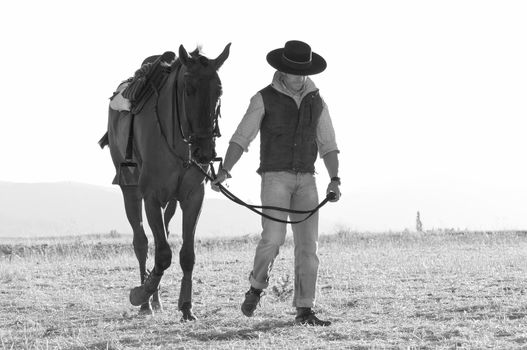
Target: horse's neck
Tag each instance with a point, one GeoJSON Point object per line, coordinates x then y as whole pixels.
{"type": "Point", "coordinates": [170, 109]}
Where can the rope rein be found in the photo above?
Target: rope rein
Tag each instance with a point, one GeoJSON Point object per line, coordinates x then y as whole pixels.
{"type": "Point", "coordinates": [254, 208]}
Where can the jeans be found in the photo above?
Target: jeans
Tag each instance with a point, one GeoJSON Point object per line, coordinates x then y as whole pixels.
{"type": "Point", "coordinates": [295, 191]}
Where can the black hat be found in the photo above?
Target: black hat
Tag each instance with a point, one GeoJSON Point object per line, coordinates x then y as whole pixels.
{"type": "Point", "coordinates": [296, 58]}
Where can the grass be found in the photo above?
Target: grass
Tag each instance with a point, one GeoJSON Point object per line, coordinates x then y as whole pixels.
{"type": "Point", "coordinates": [437, 290]}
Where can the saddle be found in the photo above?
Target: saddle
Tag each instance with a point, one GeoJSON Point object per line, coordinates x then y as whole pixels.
{"type": "Point", "coordinates": [147, 80]}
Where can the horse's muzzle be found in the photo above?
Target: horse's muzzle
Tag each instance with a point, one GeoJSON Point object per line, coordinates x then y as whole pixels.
{"type": "Point", "coordinates": [203, 157]}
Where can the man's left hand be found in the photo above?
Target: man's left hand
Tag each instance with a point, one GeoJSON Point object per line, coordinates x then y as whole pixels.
{"type": "Point", "coordinates": [223, 175]}
{"type": "Point", "coordinates": [334, 187]}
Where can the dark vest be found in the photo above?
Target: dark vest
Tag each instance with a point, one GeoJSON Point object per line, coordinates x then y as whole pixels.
{"type": "Point", "coordinates": [288, 133]}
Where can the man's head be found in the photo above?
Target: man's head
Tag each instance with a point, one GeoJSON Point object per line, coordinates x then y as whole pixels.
{"type": "Point", "coordinates": [294, 82]}
{"type": "Point", "coordinates": [296, 58]}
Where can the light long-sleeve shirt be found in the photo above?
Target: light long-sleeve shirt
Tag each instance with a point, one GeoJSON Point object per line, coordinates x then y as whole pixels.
{"type": "Point", "coordinates": [250, 124]}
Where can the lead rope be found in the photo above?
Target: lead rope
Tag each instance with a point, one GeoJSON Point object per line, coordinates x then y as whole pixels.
{"type": "Point", "coordinates": [254, 208]}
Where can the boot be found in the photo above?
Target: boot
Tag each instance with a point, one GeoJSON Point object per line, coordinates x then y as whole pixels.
{"type": "Point", "coordinates": [252, 299]}
{"type": "Point", "coordinates": [306, 316]}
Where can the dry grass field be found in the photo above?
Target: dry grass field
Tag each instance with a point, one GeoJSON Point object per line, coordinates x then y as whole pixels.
{"type": "Point", "coordinates": [437, 290]}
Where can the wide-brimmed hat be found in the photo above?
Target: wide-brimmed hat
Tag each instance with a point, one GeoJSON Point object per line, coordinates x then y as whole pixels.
{"type": "Point", "coordinates": [296, 58]}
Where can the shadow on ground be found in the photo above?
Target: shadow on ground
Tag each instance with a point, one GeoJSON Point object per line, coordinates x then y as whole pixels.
{"type": "Point", "coordinates": [240, 334]}
{"type": "Point", "coordinates": [169, 337]}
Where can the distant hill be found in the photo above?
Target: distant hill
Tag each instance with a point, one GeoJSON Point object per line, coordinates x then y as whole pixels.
{"type": "Point", "coordinates": [66, 208]}
{"type": "Point", "coordinates": [28, 209]}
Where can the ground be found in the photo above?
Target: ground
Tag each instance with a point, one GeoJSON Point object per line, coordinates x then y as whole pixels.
{"type": "Point", "coordinates": [432, 290]}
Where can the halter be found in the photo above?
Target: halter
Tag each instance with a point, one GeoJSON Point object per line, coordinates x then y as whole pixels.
{"type": "Point", "coordinates": [179, 109]}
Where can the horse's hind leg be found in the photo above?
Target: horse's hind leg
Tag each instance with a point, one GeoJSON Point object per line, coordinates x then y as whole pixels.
{"type": "Point", "coordinates": [134, 207]}
{"type": "Point", "coordinates": [191, 210]}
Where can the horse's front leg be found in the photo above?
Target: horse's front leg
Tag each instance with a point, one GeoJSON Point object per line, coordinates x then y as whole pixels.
{"type": "Point", "coordinates": [163, 253]}
{"type": "Point", "coordinates": [169, 212]}
{"type": "Point", "coordinates": [191, 210]}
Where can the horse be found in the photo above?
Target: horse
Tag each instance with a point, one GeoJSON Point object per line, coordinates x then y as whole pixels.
{"type": "Point", "coordinates": [174, 137]}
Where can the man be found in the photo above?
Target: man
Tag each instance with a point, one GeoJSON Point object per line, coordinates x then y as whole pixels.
{"type": "Point", "coordinates": [295, 125]}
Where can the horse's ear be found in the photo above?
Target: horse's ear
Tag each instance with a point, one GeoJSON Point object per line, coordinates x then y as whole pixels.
{"type": "Point", "coordinates": [183, 55]}
{"type": "Point", "coordinates": [222, 57]}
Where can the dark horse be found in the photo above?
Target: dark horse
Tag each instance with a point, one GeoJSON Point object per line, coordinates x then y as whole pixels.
{"type": "Point", "coordinates": [173, 137]}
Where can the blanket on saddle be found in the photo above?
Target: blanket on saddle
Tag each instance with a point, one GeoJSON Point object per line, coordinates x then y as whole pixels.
{"type": "Point", "coordinates": [118, 102]}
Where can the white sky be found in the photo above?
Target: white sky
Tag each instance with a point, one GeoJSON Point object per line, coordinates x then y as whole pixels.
{"type": "Point", "coordinates": [424, 95]}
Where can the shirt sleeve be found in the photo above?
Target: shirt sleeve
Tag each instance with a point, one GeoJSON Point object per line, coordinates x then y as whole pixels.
{"type": "Point", "coordinates": [326, 140]}
{"type": "Point", "coordinates": [250, 123]}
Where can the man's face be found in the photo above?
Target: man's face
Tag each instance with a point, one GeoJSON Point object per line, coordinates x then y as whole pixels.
{"type": "Point", "coordinates": [294, 82]}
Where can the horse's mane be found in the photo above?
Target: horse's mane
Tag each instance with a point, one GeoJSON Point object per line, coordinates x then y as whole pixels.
{"type": "Point", "coordinates": [197, 55]}
{"type": "Point", "coordinates": [197, 52]}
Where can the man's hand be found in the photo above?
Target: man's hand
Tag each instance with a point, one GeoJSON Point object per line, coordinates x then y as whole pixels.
{"type": "Point", "coordinates": [222, 176]}
{"type": "Point", "coordinates": [331, 160]}
{"type": "Point", "coordinates": [334, 187]}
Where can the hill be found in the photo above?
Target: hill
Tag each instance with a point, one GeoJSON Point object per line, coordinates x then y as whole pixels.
{"type": "Point", "coordinates": [66, 208]}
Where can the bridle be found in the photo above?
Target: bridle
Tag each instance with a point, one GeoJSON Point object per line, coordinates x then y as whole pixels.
{"type": "Point", "coordinates": [179, 112]}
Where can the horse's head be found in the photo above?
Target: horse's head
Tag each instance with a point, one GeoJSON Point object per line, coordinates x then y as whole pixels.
{"type": "Point", "coordinates": [200, 91]}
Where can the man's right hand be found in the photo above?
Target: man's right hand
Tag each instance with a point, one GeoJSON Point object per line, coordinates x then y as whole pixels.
{"type": "Point", "coordinates": [221, 176]}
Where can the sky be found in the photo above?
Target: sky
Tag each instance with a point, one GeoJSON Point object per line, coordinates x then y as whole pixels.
{"type": "Point", "coordinates": [428, 98]}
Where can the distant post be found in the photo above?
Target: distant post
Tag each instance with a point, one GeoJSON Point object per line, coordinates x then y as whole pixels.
{"type": "Point", "coordinates": [418, 223]}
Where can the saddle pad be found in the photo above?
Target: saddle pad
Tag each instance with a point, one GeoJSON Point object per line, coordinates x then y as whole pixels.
{"type": "Point", "coordinates": [118, 102]}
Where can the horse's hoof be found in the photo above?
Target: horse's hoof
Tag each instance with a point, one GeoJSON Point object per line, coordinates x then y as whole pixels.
{"type": "Point", "coordinates": [157, 306]}
{"type": "Point", "coordinates": [138, 296]}
{"type": "Point", "coordinates": [145, 310]}
{"type": "Point", "coordinates": [188, 315]}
